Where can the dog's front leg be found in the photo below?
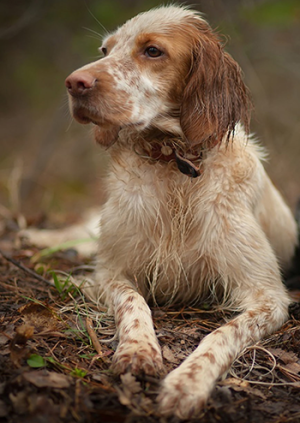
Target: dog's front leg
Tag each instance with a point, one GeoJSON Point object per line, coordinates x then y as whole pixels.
{"type": "Point", "coordinates": [249, 269]}
{"type": "Point", "coordinates": [138, 349]}
{"type": "Point", "coordinates": [186, 390]}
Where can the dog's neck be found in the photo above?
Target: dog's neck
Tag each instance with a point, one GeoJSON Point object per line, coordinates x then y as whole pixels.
{"type": "Point", "coordinates": [166, 146]}
{"type": "Point", "coordinates": [153, 144]}
{"type": "Point", "coordinates": [169, 148]}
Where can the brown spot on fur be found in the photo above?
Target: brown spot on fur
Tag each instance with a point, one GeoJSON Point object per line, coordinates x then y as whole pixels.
{"type": "Point", "coordinates": [210, 356]}
{"type": "Point", "coordinates": [195, 367]}
{"type": "Point", "coordinates": [153, 350]}
{"type": "Point", "coordinates": [131, 341]}
{"type": "Point", "coordinates": [135, 324]}
{"type": "Point", "coordinates": [252, 314]}
{"type": "Point", "coordinates": [110, 42]}
{"type": "Point", "coordinates": [178, 387]}
{"type": "Point", "coordinates": [233, 324]}
{"type": "Point", "coordinates": [128, 308]}
{"type": "Point", "coordinates": [191, 375]}
{"type": "Point", "coordinates": [120, 314]}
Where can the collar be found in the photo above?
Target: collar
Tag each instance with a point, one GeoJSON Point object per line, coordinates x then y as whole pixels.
{"type": "Point", "coordinates": [168, 149]}
{"type": "Point", "coordinates": [168, 153]}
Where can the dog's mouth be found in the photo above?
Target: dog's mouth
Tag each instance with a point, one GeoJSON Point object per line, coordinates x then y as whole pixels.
{"type": "Point", "coordinates": [84, 116]}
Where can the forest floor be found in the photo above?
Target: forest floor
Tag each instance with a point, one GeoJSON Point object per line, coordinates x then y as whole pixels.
{"type": "Point", "coordinates": [53, 370]}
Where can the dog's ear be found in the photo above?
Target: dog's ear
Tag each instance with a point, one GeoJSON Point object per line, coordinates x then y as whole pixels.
{"type": "Point", "coordinates": [106, 136]}
{"type": "Point", "coordinates": [215, 97]}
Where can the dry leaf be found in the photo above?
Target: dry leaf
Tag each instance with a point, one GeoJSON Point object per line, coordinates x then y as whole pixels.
{"type": "Point", "coordinates": [168, 354]}
{"type": "Point", "coordinates": [242, 386]}
{"type": "Point", "coordinates": [285, 356]}
{"type": "Point", "coordinates": [23, 333]}
{"type": "Point", "coordinates": [130, 386]}
{"type": "Point", "coordinates": [17, 346]}
{"type": "Point", "coordinates": [45, 379]}
{"type": "Point", "coordinates": [130, 383]}
{"type": "Point", "coordinates": [293, 367]}
{"type": "Point", "coordinates": [236, 382]}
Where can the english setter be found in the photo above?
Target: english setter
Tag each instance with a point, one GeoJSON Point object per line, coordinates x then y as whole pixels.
{"type": "Point", "coordinates": [191, 213]}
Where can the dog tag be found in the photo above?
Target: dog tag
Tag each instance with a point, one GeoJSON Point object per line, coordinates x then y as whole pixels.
{"type": "Point", "coordinates": [186, 166]}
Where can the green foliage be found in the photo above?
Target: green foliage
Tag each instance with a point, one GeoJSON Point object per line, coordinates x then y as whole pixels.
{"type": "Point", "coordinates": [87, 356]}
{"type": "Point", "coordinates": [36, 361]}
{"type": "Point", "coordinates": [78, 372]}
{"type": "Point", "coordinates": [64, 286]}
{"type": "Point", "coordinates": [274, 13]}
{"type": "Point", "coordinates": [105, 11]}
{"type": "Point", "coordinates": [51, 360]}
{"type": "Point", "coordinates": [46, 252]}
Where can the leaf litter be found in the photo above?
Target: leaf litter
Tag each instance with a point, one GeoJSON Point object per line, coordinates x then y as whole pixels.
{"type": "Point", "coordinates": [56, 350]}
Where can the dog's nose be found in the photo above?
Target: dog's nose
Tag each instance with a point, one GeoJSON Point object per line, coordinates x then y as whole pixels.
{"type": "Point", "coordinates": [79, 83]}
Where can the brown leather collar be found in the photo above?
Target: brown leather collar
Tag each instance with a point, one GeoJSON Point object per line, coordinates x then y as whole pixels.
{"type": "Point", "coordinates": [167, 153]}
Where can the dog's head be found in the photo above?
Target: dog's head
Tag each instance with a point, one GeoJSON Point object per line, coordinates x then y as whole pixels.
{"type": "Point", "coordinates": [166, 69]}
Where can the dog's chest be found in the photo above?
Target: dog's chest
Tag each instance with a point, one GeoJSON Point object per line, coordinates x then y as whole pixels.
{"type": "Point", "coordinates": [157, 208]}
{"type": "Point", "coordinates": [152, 226]}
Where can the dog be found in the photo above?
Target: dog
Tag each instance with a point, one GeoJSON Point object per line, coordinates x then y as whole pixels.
{"type": "Point", "coordinates": [191, 214]}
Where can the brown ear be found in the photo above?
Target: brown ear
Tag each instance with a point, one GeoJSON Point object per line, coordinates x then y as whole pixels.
{"type": "Point", "coordinates": [215, 98]}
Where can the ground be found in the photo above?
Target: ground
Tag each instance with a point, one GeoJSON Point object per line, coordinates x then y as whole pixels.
{"type": "Point", "coordinates": [52, 369]}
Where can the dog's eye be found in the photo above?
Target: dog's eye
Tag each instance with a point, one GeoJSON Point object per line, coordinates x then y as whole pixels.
{"type": "Point", "coordinates": [153, 52]}
{"type": "Point", "coordinates": [104, 51]}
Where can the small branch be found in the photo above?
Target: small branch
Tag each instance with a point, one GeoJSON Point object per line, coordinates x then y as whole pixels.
{"type": "Point", "coordinates": [93, 336]}
{"type": "Point", "coordinates": [24, 268]}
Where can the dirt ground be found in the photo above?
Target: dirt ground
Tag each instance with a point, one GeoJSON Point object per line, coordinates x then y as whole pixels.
{"type": "Point", "coordinates": [52, 369]}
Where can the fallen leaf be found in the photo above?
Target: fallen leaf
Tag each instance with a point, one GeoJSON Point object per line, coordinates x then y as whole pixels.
{"type": "Point", "coordinates": [35, 360]}
{"type": "Point", "coordinates": [242, 386]}
{"type": "Point", "coordinates": [168, 354]}
{"type": "Point", "coordinates": [23, 333]}
{"type": "Point", "coordinates": [274, 408]}
{"type": "Point", "coordinates": [293, 367]}
{"type": "Point", "coordinates": [17, 346]}
{"type": "Point", "coordinates": [130, 386]}
{"type": "Point", "coordinates": [36, 308]}
{"type": "Point", "coordinates": [130, 383]}
{"type": "Point", "coordinates": [285, 356]}
{"type": "Point", "coordinates": [236, 382]}
{"type": "Point", "coordinates": [45, 379]}
{"type": "Point", "coordinates": [124, 398]}
{"type": "Point", "coordinates": [7, 334]}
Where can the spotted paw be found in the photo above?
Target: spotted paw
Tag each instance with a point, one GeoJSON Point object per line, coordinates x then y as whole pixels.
{"type": "Point", "coordinates": [138, 357]}
{"type": "Point", "coordinates": [182, 396]}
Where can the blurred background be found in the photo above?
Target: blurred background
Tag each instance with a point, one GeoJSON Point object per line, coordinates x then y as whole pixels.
{"type": "Point", "coordinates": [49, 164]}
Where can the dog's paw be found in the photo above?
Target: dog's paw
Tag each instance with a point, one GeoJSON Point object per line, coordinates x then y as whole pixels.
{"type": "Point", "coordinates": [182, 396]}
{"type": "Point", "coordinates": [138, 357]}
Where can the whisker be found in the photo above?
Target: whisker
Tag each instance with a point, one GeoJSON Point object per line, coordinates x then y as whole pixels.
{"type": "Point", "coordinates": [95, 33]}
{"type": "Point", "coordinates": [94, 17]}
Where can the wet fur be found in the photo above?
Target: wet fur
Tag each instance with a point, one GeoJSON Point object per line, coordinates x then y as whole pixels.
{"type": "Point", "coordinates": [170, 239]}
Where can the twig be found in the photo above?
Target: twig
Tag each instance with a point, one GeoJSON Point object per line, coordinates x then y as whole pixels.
{"type": "Point", "coordinates": [93, 336]}
{"type": "Point", "coordinates": [25, 269]}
